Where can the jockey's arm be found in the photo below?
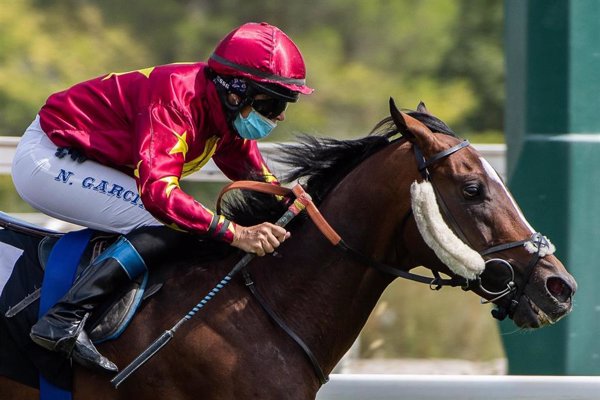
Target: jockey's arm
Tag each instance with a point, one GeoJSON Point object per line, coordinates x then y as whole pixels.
{"type": "Point", "coordinates": [162, 149]}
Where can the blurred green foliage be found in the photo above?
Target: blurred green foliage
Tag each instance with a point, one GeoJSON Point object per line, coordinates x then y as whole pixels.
{"type": "Point", "coordinates": [447, 53]}
{"type": "Point", "coordinates": [412, 321]}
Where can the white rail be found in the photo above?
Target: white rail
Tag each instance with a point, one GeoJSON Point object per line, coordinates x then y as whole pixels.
{"type": "Point", "coordinates": [494, 153]}
{"type": "Point", "coordinates": [463, 387]}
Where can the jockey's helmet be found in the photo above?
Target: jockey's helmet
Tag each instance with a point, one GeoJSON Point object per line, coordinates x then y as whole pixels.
{"type": "Point", "coordinates": [266, 57]}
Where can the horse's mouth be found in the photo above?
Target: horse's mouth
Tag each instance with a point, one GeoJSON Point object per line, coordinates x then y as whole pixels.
{"type": "Point", "coordinates": [530, 315]}
{"type": "Point", "coordinates": [542, 318]}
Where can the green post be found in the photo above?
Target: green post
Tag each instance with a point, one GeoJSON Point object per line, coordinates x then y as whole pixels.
{"type": "Point", "coordinates": [553, 138]}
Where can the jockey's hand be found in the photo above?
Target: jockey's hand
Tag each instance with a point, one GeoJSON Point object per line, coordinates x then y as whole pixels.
{"type": "Point", "coordinates": [259, 239]}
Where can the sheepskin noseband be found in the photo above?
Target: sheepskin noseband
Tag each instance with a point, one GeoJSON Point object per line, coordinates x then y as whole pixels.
{"type": "Point", "coordinates": [542, 247]}
{"type": "Point", "coordinates": [453, 252]}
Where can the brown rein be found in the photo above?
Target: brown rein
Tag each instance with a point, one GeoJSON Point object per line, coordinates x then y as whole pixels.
{"type": "Point", "coordinates": [437, 282]}
{"type": "Point", "coordinates": [267, 188]}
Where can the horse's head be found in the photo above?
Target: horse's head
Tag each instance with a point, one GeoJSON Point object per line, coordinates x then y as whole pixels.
{"type": "Point", "coordinates": [466, 215]}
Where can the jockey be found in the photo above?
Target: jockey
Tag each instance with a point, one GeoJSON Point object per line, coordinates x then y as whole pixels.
{"type": "Point", "coordinates": [109, 154]}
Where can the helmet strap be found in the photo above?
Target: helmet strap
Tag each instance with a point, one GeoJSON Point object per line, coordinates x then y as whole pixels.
{"type": "Point", "coordinates": [234, 86]}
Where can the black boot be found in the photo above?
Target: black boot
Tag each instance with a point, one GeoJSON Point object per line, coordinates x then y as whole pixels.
{"type": "Point", "coordinates": [62, 328]}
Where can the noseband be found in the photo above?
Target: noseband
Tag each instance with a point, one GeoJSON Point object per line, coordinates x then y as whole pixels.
{"type": "Point", "coordinates": [512, 291]}
{"type": "Point", "coordinates": [501, 312]}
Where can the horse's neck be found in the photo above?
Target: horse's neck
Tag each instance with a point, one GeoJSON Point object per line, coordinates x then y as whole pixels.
{"type": "Point", "coordinates": [325, 292]}
{"type": "Point", "coordinates": [325, 296]}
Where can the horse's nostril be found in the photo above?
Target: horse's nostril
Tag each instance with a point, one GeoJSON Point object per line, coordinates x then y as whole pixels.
{"type": "Point", "coordinates": [559, 289]}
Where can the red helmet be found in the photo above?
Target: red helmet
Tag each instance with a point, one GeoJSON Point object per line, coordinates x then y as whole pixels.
{"type": "Point", "coordinates": [263, 54]}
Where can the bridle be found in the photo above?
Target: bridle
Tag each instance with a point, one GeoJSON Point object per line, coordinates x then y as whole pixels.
{"type": "Point", "coordinates": [501, 312]}
{"type": "Point", "coordinates": [512, 291]}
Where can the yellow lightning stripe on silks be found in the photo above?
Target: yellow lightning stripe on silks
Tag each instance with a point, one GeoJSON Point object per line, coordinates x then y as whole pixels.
{"type": "Point", "coordinates": [197, 163]}
{"type": "Point", "coordinates": [136, 171]}
{"type": "Point", "coordinates": [146, 72]}
{"type": "Point", "coordinates": [172, 183]}
{"type": "Point", "coordinates": [181, 146]}
{"type": "Point", "coordinates": [212, 214]}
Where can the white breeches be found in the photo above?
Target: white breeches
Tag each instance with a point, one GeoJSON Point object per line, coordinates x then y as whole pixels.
{"type": "Point", "coordinates": [87, 194]}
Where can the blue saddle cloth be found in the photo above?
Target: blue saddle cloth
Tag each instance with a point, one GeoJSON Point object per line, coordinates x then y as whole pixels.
{"type": "Point", "coordinates": [58, 278]}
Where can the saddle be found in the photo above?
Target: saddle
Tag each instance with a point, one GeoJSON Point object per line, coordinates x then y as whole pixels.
{"type": "Point", "coordinates": [20, 358]}
{"type": "Point", "coordinates": [105, 324]}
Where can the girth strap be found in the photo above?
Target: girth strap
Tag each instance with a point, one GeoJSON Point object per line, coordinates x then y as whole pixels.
{"type": "Point", "coordinates": [307, 351]}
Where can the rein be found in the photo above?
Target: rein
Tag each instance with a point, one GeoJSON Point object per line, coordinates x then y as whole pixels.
{"type": "Point", "coordinates": [335, 239]}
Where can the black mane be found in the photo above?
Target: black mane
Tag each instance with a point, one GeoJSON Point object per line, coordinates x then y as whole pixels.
{"type": "Point", "coordinates": [319, 164]}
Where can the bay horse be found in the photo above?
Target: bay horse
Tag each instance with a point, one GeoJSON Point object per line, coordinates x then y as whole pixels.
{"type": "Point", "coordinates": [410, 194]}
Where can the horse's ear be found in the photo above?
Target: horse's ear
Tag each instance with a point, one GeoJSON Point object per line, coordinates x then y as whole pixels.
{"type": "Point", "coordinates": [412, 129]}
{"type": "Point", "coordinates": [398, 119]}
{"type": "Point", "coordinates": [422, 109]}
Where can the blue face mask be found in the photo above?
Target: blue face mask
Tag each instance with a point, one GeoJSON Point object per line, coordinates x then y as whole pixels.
{"type": "Point", "coordinates": [254, 126]}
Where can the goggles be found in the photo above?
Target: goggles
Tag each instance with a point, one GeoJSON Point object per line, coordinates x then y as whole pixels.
{"type": "Point", "coordinates": [270, 108]}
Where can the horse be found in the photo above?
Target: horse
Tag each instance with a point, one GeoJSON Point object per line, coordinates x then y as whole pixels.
{"type": "Point", "coordinates": [411, 193]}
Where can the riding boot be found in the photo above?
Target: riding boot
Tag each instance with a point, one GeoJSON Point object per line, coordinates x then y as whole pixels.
{"type": "Point", "coordinates": [62, 328]}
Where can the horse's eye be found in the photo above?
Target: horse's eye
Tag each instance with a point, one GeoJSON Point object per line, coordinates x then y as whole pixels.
{"type": "Point", "coordinates": [471, 191]}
